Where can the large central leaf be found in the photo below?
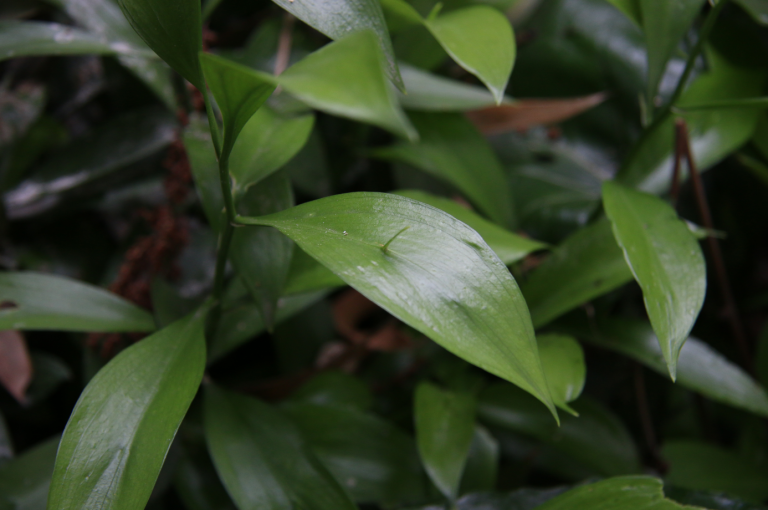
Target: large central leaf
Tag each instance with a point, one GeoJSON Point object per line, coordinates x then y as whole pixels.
{"type": "Point", "coordinates": [427, 269]}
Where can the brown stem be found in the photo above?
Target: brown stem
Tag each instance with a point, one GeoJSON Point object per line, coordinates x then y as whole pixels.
{"type": "Point", "coordinates": [732, 313]}
{"type": "Point", "coordinates": [284, 44]}
{"type": "Point", "coordinates": [645, 420]}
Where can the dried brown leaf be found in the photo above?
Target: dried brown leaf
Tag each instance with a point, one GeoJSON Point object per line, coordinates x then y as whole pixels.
{"type": "Point", "coordinates": [15, 364]}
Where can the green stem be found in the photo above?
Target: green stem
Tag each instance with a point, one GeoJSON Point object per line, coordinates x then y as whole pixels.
{"type": "Point", "coordinates": [213, 125]}
{"type": "Point", "coordinates": [225, 240]}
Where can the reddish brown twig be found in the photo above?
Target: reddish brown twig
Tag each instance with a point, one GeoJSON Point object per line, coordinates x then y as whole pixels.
{"type": "Point", "coordinates": [283, 56]}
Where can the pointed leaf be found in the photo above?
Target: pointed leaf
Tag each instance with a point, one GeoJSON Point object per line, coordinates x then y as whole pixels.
{"type": "Point", "coordinates": [427, 269]}
{"type": "Point", "coordinates": [173, 29]}
{"type": "Point", "coordinates": [430, 92]}
{"type": "Point", "coordinates": [32, 38]}
{"type": "Point", "coordinates": [262, 459]}
{"type": "Point", "coordinates": [125, 420]}
{"type": "Point", "coordinates": [41, 301]}
{"type": "Point", "coordinates": [665, 259]}
{"type": "Point", "coordinates": [445, 424]}
{"type": "Point", "coordinates": [24, 481]}
{"type": "Point", "coordinates": [451, 148]}
{"type": "Point", "coordinates": [636, 492]}
{"type": "Point", "coordinates": [482, 466]}
{"type": "Point", "coordinates": [563, 362]}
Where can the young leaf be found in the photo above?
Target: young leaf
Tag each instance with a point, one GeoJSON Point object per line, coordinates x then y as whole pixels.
{"type": "Point", "coordinates": [563, 361]}
{"type": "Point", "coordinates": [262, 459]}
{"type": "Point", "coordinates": [24, 481]}
{"type": "Point", "coordinates": [32, 38]}
{"type": "Point", "coordinates": [427, 269]}
{"type": "Point", "coordinates": [40, 301]}
{"type": "Point", "coordinates": [451, 148]}
{"type": "Point", "coordinates": [173, 29]}
{"type": "Point", "coordinates": [125, 420]}
{"type": "Point", "coordinates": [445, 424]}
{"type": "Point", "coordinates": [586, 265]}
{"type": "Point", "coordinates": [665, 259]}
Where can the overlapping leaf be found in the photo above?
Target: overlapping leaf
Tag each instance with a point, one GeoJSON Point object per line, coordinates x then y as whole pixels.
{"type": "Point", "coordinates": [563, 362]}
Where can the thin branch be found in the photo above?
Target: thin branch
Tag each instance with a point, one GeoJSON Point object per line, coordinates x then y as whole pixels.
{"type": "Point", "coordinates": [284, 44]}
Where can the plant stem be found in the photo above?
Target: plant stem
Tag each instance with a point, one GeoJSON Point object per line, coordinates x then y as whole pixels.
{"type": "Point", "coordinates": [225, 240]}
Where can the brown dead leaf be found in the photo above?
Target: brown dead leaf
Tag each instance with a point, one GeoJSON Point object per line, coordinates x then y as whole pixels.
{"type": "Point", "coordinates": [351, 309]}
{"type": "Point", "coordinates": [15, 364]}
{"type": "Point", "coordinates": [524, 114]}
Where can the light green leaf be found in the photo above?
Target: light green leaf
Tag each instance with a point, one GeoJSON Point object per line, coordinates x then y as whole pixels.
{"type": "Point", "coordinates": [696, 465]}
{"type": "Point", "coordinates": [266, 143]}
{"type": "Point", "coordinates": [262, 459]}
{"type": "Point", "coordinates": [125, 420]}
{"type": "Point", "coordinates": [664, 24]}
{"type": "Point", "coordinates": [427, 269]}
{"type": "Point", "coordinates": [482, 465]}
{"type": "Point", "coordinates": [445, 424]}
{"type": "Point", "coordinates": [564, 367]}
{"type": "Point", "coordinates": [42, 301]}
{"type": "Point", "coordinates": [586, 265]}
{"type": "Point", "coordinates": [24, 481]}
{"type": "Point", "coordinates": [452, 149]}
{"type": "Point", "coordinates": [32, 38]}
{"type": "Point", "coordinates": [509, 247]}
{"type": "Point", "coordinates": [430, 92]}
{"type": "Point", "coordinates": [340, 18]}
{"type": "Point", "coordinates": [665, 259]}
{"type": "Point", "coordinates": [173, 29]}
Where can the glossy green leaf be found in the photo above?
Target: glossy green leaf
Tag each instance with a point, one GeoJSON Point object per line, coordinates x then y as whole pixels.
{"type": "Point", "coordinates": [335, 389]}
{"type": "Point", "coordinates": [374, 460]}
{"type": "Point", "coordinates": [32, 38]}
{"type": "Point", "coordinates": [626, 492]}
{"type": "Point", "coordinates": [664, 25]}
{"type": "Point", "coordinates": [586, 265]}
{"type": "Point", "coordinates": [266, 143]}
{"type": "Point", "coordinates": [427, 269]}
{"type": "Point", "coordinates": [509, 247]}
{"type": "Point", "coordinates": [262, 459]}
{"type": "Point", "coordinates": [482, 465]}
{"type": "Point", "coordinates": [596, 438]}
{"type": "Point", "coordinates": [262, 256]}
{"type": "Point", "coordinates": [696, 465]}
{"type": "Point", "coordinates": [24, 481]}
{"type": "Point", "coordinates": [340, 18]}
{"type": "Point", "coordinates": [41, 301]}
{"type": "Point", "coordinates": [126, 418]}
{"type": "Point", "coordinates": [445, 423]}
{"type": "Point", "coordinates": [173, 29]}
{"type": "Point", "coordinates": [452, 149]}
{"type": "Point", "coordinates": [665, 259]}
{"type": "Point", "coordinates": [430, 92]}
{"type": "Point", "coordinates": [564, 367]}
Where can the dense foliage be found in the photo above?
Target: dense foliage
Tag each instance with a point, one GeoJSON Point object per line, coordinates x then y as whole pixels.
{"type": "Point", "coordinates": [339, 254]}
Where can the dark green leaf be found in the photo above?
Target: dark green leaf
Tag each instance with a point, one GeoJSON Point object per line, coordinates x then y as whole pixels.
{"type": "Point", "coordinates": [712, 500]}
{"type": "Point", "coordinates": [427, 269]}
{"type": "Point", "coordinates": [335, 389]}
{"type": "Point", "coordinates": [564, 367]}
{"type": "Point", "coordinates": [205, 168]}
{"type": "Point", "coordinates": [631, 8]}
{"type": "Point", "coordinates": [32, 38]}
{"type": "Point", "coordinates": [445, 423]}
{"type": "Point", "coordinates": [41, 301]}
{"type": "Point", "coordinates": [665, 259]}
{"type": "Point", "coordinates": [431, 92]}
{"type": "Point", "coordinates": [125, 420]}
{"type": "Point", "coordinates": [197, 483]}
{"type": "Point", "coordinates": [24, 481]}
{"type": "Point", "coordinates": [586, 265]}
{"type": "Point", "coordinates": [482, 463]}
{"type": "Point", "coordinates": [262, 459]}
{"type": "Point", "coordinates": [756, 8]}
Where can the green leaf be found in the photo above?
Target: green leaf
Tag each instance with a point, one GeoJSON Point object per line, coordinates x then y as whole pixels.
{"type": "Point", "coordinates": [758, 9]}
{"type": "Point", "coordinates": [24, 481]}
{"type": "Point", "coordinates": [266, 143]}
{"type": "Point", "coordinates": [335, 389]}
{"type": "Point", "coordinates": [596, 438]}
{"type": "Point", "coordinates": [373, 459]}
{"type": "Point", "coordinates": [586, 265]}
{"type": "Point", "coordinates": [563, 361]}
{"type": "Point", "coordinates": [665, 259]}
{"type": "Point", "coordinates": [125, 420]}
{"type": "Point", "coordinates": [482, 465]}
{"type": "Point", "coordinates": [509, 247]}
{"type": "Point", "coordinates": [262, 256]}
{"type": "Point", "coordinates": [430, 92]}
{"type": "Point", "coordinates": [696, 465]}
{"type": "Point", "coordinates": [205, 168]}
{"type": "Point", "coordinates": [445, 424]}
{"type": "Point", "coordinates": [427, 269]}
{"type": "Point", "coordinates": [196, 481]}
{"type": "Point", "coordinates": [32, 38]}
{"type": "Point", "coordinates": [173, 29]}
{"type": "Point", "coordinates": [42, 301]}
{"type": "Point", "coordinates": [340, 18]}
{"type": "Point", "coordinates": [262, 459]}
{"type": "Point", "coordinates": [452, 149]}
{"type": "Point", "coordinates": [664, 24]}
{"type": "Point", "coordinates": [631, 9]}
{"type": "Point", "coordinates": [307, 274]}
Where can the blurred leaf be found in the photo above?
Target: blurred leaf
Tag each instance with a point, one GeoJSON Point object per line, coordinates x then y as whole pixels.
{"type": "Point", "coordinates": [6, 447]}
{"type": "Point", "coordinates": [122, 426]}
{"type": "Point", "coordinates": [523, 114]}
{"type": "Point", "coordinates": [761, 358]}
{"type": "Point", "coordinates": [666, 261]}
{"type": "Point", "coordinates": [451, 149]}
{"type": "Point", "coordinates": [758, 9]}
{"type": "Point", "coordinates": [712, 500]}
{"type": "Point", "coordinates": [42, 301]}
{"type": "Point", "coordinates": [482, 465]}
{"type": "Point", "coordinates": [631, 8]}
{"type": "Point", "coordinates": [266, 143]}
{"type": "Point", "coordinates": [308, 169]}
{"type": "Point", "coordinates": [596, 438]}
{"type": "Point", "coordinates": [439, 276]}
{"type": "Point", "coordinates": [49, 373]}
{"type": "Point", "coordinates": [621, 492]}
{"type": "Point", "coordinates": [335, 389]}
{"type": "Point", "coordinates": [445, 422]}
{"type": "Point", "coordinates": [307, 274]}
{"type": "Point", "coordinates": [696, 465]}
{"type": "Point", "coordinates": [430, 92]}
{"type": "Point", "coordinates": [373, 459]}
{"type": "Point", "coordinates": [586, 265]}
{"type": "Point", "coordinates": [33, 38]}
{"type": "Point", "coordinates": [24, 481]}
{"type": "Point", "coordinates": [262, 459]}
{"type": "Point", "coordinates": [563, 361]}
{"type": "Point", "coordinates": [205, 168]}
{"type": "Point", "coordinates": [197, 483]}
{"type": "Point", "coordinates": [15, 364]}
{"type": "Point", "coordinates": [173, 29]}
